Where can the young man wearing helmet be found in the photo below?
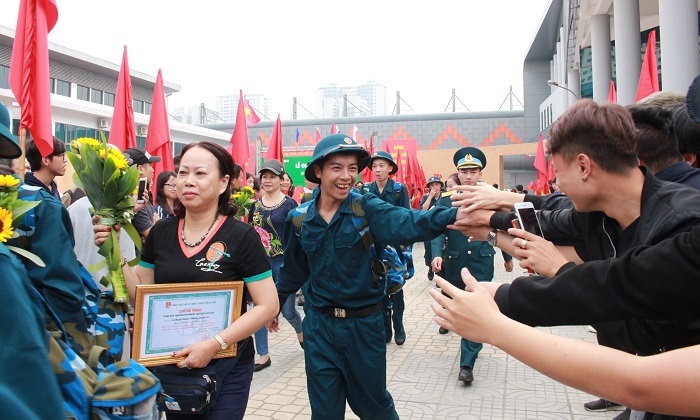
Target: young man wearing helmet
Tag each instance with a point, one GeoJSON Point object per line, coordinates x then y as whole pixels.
{"type": "Point", "coordinates": [328, 256]}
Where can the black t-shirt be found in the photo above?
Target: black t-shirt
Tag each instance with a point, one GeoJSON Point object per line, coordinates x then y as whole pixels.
{"type": "Point", "coordinates": [233, 251]}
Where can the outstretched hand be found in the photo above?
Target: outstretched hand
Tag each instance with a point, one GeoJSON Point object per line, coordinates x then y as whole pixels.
{"type": "Point", "coordinates": [481, 196]}
{"type": "Point", "coordinates": [472, 313]}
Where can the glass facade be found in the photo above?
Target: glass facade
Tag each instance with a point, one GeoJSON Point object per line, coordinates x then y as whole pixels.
{"type": "Point", "coordinates": [96, 96]}
{"type": "Point", "coordinates": [83, 93]}
{"type": "Point", "coordinates": [68, 132]}
{"type": "Point", "coordinates": [62, 88]}
{"type": "Point", "coordinates": [109, 99]}
{"type": "Point", "coordinates": [4, 77]}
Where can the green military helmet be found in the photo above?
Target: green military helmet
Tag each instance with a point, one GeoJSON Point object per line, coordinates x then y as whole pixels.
{"type": "Point", "coordinates": [9, 147]}
{"type": "Point", "coordinates": [433, 180]}
{"type": "Point", "coordinates": [469, 157]}
{"type": "Point", "coordinates": [386, 156]}
{"type": "Point", "coordinates": [335, 143]}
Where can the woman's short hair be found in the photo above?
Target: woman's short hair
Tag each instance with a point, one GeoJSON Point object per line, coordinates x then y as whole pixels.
{"type": "Point", "coordinates": [227, 207]}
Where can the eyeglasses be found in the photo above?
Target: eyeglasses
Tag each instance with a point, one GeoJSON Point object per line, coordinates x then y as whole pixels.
{"type": "Point", "coordinates": [171, 186]}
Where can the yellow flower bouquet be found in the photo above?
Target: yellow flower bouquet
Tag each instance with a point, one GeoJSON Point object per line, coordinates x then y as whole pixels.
{"type": "Point", "coordinates": [244, 200]}
{"type": "Point", "coordinates": [12, 210]}
{"type": "Point", "coordinates": [103, 172]}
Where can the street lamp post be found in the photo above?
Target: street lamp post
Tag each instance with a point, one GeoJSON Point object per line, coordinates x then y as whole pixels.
{"type": "Point", "coordinates": [554, 83]}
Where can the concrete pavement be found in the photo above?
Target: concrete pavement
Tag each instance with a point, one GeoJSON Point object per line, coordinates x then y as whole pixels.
{"type": "Point", "coordinates": [422, 374]}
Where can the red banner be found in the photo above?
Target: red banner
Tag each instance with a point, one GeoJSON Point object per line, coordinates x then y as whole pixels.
{"type": "Point", "coordinates": [400, 150]}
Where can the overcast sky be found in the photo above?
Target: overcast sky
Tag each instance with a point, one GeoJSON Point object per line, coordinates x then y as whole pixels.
{"type": "Point", "coordinates": [283, 49]}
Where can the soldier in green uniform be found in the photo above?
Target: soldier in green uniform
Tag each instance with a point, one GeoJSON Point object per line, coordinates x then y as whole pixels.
{"type": "Point", "coordinates": [330, 253]}
{"type": "Point", "coordinates": [460, 251]}
{"type": "Point", "coordinates": [427, 202]}
{"type": "Point", "coordinates": [394, 193]}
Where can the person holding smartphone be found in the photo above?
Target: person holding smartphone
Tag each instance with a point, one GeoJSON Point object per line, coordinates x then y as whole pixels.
{"type": "Point", "coordinates": [461, 251]}
{"type": "Point", "coordinates": [146, 217]}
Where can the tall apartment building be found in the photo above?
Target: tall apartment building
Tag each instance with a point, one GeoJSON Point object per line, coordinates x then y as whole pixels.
{"type": "Point", "coordinates": [367, 99]}
{"type": "Point", "coordinates": [227, 106]}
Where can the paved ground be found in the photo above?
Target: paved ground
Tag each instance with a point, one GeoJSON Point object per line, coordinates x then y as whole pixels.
{"type": "Point", "coordinates": [422, 374]}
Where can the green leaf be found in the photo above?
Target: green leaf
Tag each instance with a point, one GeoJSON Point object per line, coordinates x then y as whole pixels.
{"type": "Point", "coordinates": [110, 194]}
{"type": "Point", "coordinates": [128, 182]}
{"type": "Point", "coordinates": [18, 210]}
{"type": "Point", "coordinates": [28, 255]}
{"type": "Point", "coordinates": [109, 170]}
{"type": "Point", "coordinates": [77, 181]}
{"type": "Point", "coordinates": [76, 162]}
{"type": "Point", "coordinates": [93, 165]}
{"type": "Point", "coordinates": [94, 193]}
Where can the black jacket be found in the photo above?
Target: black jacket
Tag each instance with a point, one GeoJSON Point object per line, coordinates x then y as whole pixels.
{"type": "Point", "coordinates": [666, 210]}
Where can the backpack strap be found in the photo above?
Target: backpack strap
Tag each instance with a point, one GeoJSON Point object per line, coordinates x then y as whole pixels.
{"type": "Point", "coordinates": [397, 191]}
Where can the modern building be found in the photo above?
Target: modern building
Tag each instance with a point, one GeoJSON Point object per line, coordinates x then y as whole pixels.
{"type": "Point", "coordinates": [352, 101]}
{"type": "Point", "coordinates": [227, 106]}
{"type": "Point", "coordinates": [582, 45]}
{"type": "Point", "coordinates": [82, 98]}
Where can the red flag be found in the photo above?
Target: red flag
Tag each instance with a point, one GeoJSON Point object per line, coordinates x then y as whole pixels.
{"type": "Point", "coordinates": [612, 96]}
{"type": "Point", "coordinates": [318, 135]}
{"type": "Point", "coordinates": [158, 138]}
{"type": "Point", "coordinates": [298, 194]}
{"type": "Point", "coordinates": [649, 77]}
{"type": "Point", "coordinates": [251, 118]}
{"type": "Point", "coordinates": [29, 69]}
{"type": "Point", "coordinates": [367, 174]}
{"type": "Point", "coordinates": [239, 139]}
{"type": "Point", "coordinates": [275, 149]}
{"type": "Point", "coordinates": [541, 165]}
{"type": "Point", "coordinates": [334, 129]}
{"type": "Point", "coordinates": [122, 133]}
{"type": "Point", "coordinates": [550, 171]}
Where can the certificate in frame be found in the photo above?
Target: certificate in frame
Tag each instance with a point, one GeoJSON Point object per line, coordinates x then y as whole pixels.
{"type": "Point", "coordinates": [170, 317]}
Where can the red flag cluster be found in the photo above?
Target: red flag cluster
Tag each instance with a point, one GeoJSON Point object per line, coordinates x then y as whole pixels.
{"type": "Point", "coordinates": [367, 175]}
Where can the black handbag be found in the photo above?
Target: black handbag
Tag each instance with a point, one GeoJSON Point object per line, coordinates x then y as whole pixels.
{"type": "Point", "coordinates": [192, 391]}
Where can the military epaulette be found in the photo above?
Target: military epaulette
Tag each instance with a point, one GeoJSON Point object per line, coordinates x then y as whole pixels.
{"type": "Point", "coordinates": [447, 193]}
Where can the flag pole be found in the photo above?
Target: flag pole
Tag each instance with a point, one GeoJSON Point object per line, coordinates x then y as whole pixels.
{"type": "Point", "coordinates": [23, 146]}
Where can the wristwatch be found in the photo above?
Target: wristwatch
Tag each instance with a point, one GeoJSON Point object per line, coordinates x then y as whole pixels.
{"type": "Point", "coordinates": [492, 237]}
{"type": "Point", "coordinates": [221, 341]}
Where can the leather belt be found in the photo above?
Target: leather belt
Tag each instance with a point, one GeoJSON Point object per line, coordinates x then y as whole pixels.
{"type": "Point", "coordinates": [351, 313]}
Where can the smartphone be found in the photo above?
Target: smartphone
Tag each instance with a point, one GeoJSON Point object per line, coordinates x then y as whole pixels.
{"type": "Point", "coordinates": [142, 188]}
{"type": "Point", "coordinates": [527, 217]}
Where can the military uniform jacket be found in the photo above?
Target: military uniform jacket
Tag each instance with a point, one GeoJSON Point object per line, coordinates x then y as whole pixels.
{"type": "Point", "coordinates": [460, 252]}
{"type": "Point", "coordinates": [330, 259]}
{"type": "Point", "coordinates": [393, 193]}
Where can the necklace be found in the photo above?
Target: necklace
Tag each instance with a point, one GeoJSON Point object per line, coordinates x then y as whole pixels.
{"type": "Point", "coordinates": [200, 239]}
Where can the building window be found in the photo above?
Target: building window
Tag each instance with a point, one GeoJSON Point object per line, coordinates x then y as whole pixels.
{"type": "Point", "coordinates": [4, 77]}
{"type": "Point", "coordinates": [138, 106]}
{"type": "Point", "coordinates": [68, 133]}
{"type": "Point", "coordinates": [62, 88]}
{"type": "Point", "coordinates": [52, 83]}
{"type": "Point", "coordinates": [83, 93]}
{"type": "Point", "coordinates": [147, 108]}
{"type": "Point", "coordinates": [177, 148]}
{"type": "Point", "coordinates": [96, 96]}
{"type": "Point", "coordinates": [109, 99]}
{"type": "Point", "coordinates": [141, 142]}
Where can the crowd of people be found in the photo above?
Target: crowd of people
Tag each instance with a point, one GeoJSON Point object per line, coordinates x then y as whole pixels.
{"type": "Point", "coordinates": [620, 234]}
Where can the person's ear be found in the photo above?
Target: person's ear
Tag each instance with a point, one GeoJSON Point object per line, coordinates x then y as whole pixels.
{"type": "Point", "coordinates": [584, 166]}
{"type": "Point", "coordinates": [224, 183]}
